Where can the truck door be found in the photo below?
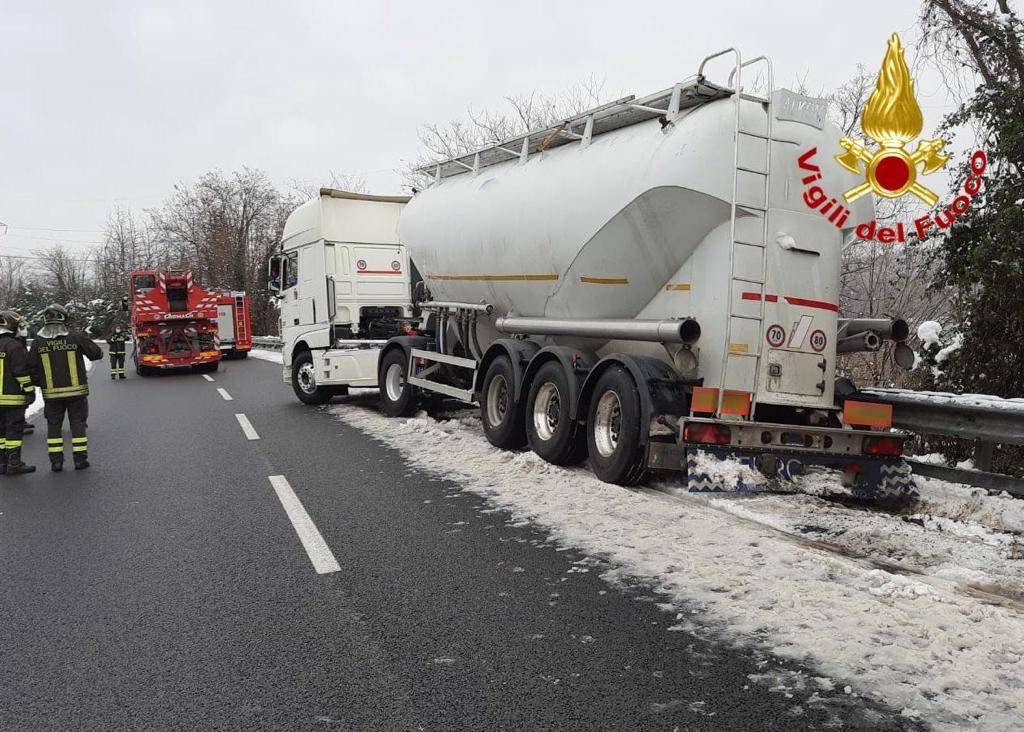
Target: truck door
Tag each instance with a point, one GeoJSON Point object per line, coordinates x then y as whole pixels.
{"type": "Point", "coordinates": [304, 297]}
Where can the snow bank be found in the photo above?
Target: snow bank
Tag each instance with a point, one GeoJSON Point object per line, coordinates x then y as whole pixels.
{"type": "Point", "coordinates": [920, 642]}
{"type": "Point", "coordinates": [275, 356]}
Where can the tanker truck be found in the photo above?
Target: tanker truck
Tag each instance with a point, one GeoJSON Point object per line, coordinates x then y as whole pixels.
{"type": "Point", "coordinates": [640, 286]}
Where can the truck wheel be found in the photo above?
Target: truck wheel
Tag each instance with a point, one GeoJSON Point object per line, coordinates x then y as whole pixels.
{"type": "Point", "coordinates": [304, 380]}
{"type": "Point", "coordinates": [500, 413]}
{"type": "Point", "coordinates": [613, 429]}
{"type": "Point", "coordinates": [398, 398]}
{"type": "Point", "coordinates": [551, 433]}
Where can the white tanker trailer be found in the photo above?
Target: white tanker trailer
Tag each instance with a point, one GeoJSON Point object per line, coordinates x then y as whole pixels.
{"type": "Point", "coordinates": [633, 285]}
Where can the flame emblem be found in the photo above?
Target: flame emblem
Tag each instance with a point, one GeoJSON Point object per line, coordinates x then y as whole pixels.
{"type": "Point", "coordinates": [892, 118]}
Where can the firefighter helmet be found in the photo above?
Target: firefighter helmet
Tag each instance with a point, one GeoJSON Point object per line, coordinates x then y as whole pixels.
{"type": "Point", "coordinates": [10, 320]}
{"type": "Point", "coordinates": [55, 314]}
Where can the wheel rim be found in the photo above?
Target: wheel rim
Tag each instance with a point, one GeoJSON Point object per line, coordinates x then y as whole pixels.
{"type": "Point", "coordinates": [607, 423]}
{"type": "Point", "coordinates": [497, 400]}
{"type": "Point", "coordinates": [547, 411]}
{"type": "Point", "coordinates": [394, 382]}
{"type": "Point", "coordinates": [307, 378]}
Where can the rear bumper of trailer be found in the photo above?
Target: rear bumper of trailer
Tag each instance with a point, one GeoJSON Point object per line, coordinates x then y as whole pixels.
{"type": "Point", "coordinates": [770, 444]}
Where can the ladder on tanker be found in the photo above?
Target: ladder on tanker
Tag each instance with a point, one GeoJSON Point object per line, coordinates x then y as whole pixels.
{"type": "Point", "coordinates": [748, 248]}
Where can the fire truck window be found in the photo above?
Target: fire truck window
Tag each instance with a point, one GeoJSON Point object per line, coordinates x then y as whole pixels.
{"type": "Point", "coordinates": [144, 283]}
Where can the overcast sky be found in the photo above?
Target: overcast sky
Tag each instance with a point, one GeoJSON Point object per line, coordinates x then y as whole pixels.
{"type": "Point", "coordinates": [114, 102]}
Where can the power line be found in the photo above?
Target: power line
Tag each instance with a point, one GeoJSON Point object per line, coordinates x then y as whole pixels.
{"type": "Point", "coordinates": [41, 259]}
{"type": "Point", "coordinates": [47, 228]}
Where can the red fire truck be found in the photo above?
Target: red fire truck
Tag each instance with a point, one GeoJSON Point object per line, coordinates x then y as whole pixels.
{"type": "Point", "coordinates": [234, 325]}
{"type": "Point", "coordinates": [174, 322]}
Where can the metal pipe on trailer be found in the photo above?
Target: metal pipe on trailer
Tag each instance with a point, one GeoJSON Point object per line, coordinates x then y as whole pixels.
{"type": "Point", "coordinates": [685, 331]}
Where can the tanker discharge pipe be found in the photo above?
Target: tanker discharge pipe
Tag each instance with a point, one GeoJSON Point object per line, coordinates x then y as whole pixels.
{"type": "Point", "coordinates": [685, 330]}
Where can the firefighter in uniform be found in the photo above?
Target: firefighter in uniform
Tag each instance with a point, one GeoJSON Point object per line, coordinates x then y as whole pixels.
{"type": "Point", "coordinates": [116, 343]}
{"type": "Point", "coordinates": [22, 336]}
{"type": "Point", "coordinates": [58, 365]}
{"type": "Point", "coordinates": [16, 393]}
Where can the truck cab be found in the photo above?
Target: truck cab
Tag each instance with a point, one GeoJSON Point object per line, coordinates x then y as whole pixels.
{"type": "Point", "coordinates": [341, 275]}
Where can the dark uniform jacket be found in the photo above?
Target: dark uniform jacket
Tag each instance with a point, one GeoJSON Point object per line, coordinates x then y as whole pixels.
{"type": "Point", "coordinates": [15, 372]}
{"type": "Point", "coordinates": [58, 364]}
{"type": "Point", "coordinates": [116, 342]}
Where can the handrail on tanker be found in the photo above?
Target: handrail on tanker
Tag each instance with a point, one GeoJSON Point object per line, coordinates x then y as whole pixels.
{"type": "Point", "coordinates": [734, 51]}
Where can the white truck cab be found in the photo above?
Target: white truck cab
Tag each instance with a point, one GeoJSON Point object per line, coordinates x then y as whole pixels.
{"type": "Point", "coordinates": [341, 274]}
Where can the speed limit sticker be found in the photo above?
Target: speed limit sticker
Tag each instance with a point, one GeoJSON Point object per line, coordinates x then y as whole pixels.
{"type": "Point", "coordinates": [776, 335]}
{"type": "Point", "coordinates": [818, 340]}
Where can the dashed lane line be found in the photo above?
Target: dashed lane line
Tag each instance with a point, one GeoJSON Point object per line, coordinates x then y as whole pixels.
{"type": "Point", "coordinates": [208, 377]}
{"type": "Point", "coordinates": [247, 428]}
{"type": "Point", "coordinates": [312, 540]}
{"type": "Point", "coordinates": [224, 393]}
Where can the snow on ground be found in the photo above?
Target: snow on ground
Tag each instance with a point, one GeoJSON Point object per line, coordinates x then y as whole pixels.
{"type": "Point", "coordinates": [275, 356]}
{"type": "Point", "coordinates": [900, 612]}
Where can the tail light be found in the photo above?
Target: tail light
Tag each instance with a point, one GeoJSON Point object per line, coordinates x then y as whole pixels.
{"type": "Point", "coordinates": [883, 446]}
{"type": "Point", "coordinates": [710, 434]}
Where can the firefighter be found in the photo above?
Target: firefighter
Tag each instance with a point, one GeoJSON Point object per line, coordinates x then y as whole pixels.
{"type": "Point", "coordinates": [116, 343]}
{"type": "Point", "coordinates": [58, 366]}
{"type": "Point", "coordinates": [22, 336]}
{"type": "Point", "coordinates": [16, 393]}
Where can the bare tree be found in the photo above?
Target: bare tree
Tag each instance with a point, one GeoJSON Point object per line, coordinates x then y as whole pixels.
{"type": "Point", "coordinates": [523, 113]}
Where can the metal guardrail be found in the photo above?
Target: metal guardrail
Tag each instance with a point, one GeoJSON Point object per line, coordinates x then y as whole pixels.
{"type": "Point", "coordinates": [987, 421]}
{"type": "Point", "coordinates": [268, 343]}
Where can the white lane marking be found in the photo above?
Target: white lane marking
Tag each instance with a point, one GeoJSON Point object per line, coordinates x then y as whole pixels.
{"type": "Point", "coordinates": [312, 541]}
{"type": "Point", "coordinates": [207, 377]}
{"type": "Point", "coordinates": [224, 393]}
{"type": "Point", "coordinates": [247, 427]}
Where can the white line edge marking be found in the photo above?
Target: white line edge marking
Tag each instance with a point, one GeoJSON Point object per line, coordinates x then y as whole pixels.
{"type": "Point", "coordinates": [312, 541]}
{"type": "Point", "coordinates": [207, 377]}
{"type": "Point", "coordinates": [247, 428]}
{"type": "Point", "coordinates": [224, 393]}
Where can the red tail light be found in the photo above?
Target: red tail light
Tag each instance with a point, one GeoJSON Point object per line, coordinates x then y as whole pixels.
{"type": "Point", "coordinates": [883, 446]}
{"type": "Point", "coordinates": [711, 434]}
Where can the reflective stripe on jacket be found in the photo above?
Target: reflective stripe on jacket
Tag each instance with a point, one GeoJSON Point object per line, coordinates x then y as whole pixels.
{"type": "Point", "coordinates": [59, 364]}
{"type": "Point", "coordinates": [15, 372]}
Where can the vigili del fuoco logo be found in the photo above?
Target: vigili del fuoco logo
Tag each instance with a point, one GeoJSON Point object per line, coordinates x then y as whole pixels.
{"type": "Point", "coordinates": [892, 119]}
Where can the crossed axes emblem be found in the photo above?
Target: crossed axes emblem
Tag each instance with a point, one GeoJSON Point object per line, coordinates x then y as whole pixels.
{"type": "Point", "coordinates": [900, 166]}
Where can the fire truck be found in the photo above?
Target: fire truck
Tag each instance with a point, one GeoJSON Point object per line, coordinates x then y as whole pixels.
{"type": "Point", "coordinates": [234, 324]}
{"type": "Point", "coordinates": [174, 322]}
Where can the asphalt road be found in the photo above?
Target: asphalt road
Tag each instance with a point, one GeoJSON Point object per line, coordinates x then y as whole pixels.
{"type": "Point", "coordinates": [167, 588]}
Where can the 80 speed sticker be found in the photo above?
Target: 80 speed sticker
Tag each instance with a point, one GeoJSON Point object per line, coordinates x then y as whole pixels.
{"type": "Point", "coordinates": [818, 340]}
{"type": "Point", "coordinates": [776, 335]}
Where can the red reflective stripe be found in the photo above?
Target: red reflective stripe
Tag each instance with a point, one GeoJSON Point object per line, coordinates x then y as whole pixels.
{"type": "Point", "coordinates": [820, 304]}
{"type": "Point", "coordinates": [378, 271]}
{"type": "Point", "coordinates": [803, 302]}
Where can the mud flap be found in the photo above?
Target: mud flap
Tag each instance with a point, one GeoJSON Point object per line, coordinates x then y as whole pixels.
{"type": "Point", "coordinates": [728, 471]}
{"type": "Point", "coordinates": [885, 480]}
{"type": "Point", "coordinates": [722, 472]}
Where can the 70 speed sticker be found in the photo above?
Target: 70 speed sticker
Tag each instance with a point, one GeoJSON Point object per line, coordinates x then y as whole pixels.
{"type": "Point", "coordinates": [776, 335]}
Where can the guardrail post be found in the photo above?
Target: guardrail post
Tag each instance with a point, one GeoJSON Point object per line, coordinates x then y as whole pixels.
{"type": "Point", "coordinates": [983, 455]}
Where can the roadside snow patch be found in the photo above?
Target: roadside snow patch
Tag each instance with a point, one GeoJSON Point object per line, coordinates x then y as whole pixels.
{"type": "Point", "coordinates": [274, 356]}
{"type": "Point", "coordinates": [918, 642]}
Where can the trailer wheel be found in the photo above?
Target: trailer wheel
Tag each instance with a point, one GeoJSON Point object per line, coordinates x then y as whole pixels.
{"type": "Point", "coordinates": [304, 380]}
{"type": "Point", "coordinates": [551, 433]}
{"type": "Point", "coordinates": [397, 397]}
{"type": "Point", "coordinates": [500, 413]}
{"type": "Point", "coordinates": [613, 429]}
